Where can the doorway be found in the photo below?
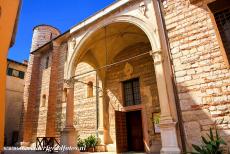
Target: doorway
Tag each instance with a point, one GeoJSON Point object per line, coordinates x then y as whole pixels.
{"type": "Point", "coordinates": [134, 131]}
{"type": "Point", "coordinates": [129, 131]}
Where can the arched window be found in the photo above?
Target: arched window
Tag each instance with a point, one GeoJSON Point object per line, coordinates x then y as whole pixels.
{"type": "Point", "coordinates": [43, 100]}
{"type": "Point", "coordinates": [90, 89]}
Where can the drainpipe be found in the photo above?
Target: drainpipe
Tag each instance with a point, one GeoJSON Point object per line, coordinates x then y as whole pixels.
{"type": "Point", "coordinates": [97, 103]}
{"type": "Point", "coordinates": [165, 43]}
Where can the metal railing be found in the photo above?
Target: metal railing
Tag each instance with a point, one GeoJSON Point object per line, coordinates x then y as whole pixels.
{"type": "Point", "coordinates": [48, 144]}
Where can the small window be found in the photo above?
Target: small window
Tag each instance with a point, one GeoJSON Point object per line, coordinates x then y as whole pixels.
{"type": "Point", "coordinates": [43, 100]}
{"type": "Point", "coordinates": [15, 73]}
{"type": "Point", "coordinates": [9, 71]}
{"type": "Point", "coordinates": [132, 92]}
{"type": "Point", "coordinates": [90, 89]}
{"type": "Point", "coordinates": [21, 75]}
{"type": "Point", "coordinates": [47, 62]}
{"type": "Point", "coordinates": [221, 13]}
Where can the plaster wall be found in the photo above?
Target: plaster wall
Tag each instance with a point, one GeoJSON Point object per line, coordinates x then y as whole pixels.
{"type": "Point", "coordinates": [14, 103]}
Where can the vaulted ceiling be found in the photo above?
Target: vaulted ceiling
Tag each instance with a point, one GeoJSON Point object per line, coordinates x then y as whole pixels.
{"type": "Point", "coordinates": [107, 42]}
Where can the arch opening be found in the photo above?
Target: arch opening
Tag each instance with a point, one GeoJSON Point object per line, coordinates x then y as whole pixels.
{"type": "Point", "coordinates": [119, 53]}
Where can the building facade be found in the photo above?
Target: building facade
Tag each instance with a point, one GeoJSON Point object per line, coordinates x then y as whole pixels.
{"type": "Point", "coordinates": [9, 12]}
{"type": "Point", "coordinates": [142, 75]}
{"type": "Point", "coordinates": [14, 100]}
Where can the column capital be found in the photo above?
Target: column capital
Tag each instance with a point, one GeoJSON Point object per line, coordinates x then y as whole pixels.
{"type": "Point", "coordinates": [157, 56]}
{"type": "Point", "coordinates": [69, 83]}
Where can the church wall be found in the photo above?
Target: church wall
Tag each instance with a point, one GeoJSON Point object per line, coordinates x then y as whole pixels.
{"type": "Point", "coordinates": [202, 77]}
{"type": "Point", "coordinates": [61, 102]}
{"type": "Point", "coordinates": [143, 68]}
{"type": "Point", "coordinates": [36, 91]}
{"type": "Point", "coordinates": [43, 90]}
{"type": "Point", "coordinates": [29, 97]}
{"type": "Point", "coordinates": [85, 106]}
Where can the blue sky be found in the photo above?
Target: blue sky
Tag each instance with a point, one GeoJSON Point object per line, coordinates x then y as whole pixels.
{"type": "Point", "coordinates": [62, 14]}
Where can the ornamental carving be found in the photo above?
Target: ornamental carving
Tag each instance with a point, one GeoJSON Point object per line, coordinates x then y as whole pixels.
{"type": "Point", "coordinates": [128, 70]}
{"type": "Point", "coordinates": [157, 56]}
{"type": "Point", "coordinates": [143, 8]}
{"type": "Point", "coordinates": [72, 44]}
{"type": "Point", "coordinates": [69, 83]}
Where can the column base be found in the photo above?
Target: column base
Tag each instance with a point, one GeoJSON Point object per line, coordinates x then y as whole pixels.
{"type": "Point", "coordinates": [169, 138]}
{"type": "Point", "coordinates": [25, 144]}
{"type": "Point", "coordinates": [170, 150]}
{"type": "Point", "coordinates": [101, 135]}
{"type": "Point", "coordinates": [68, 140]}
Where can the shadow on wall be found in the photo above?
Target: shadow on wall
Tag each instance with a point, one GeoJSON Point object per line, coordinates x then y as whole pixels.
{"type": "Point", "coordinates": [202, 76]}
{"type": "Point", "coordinates": [199, 117]}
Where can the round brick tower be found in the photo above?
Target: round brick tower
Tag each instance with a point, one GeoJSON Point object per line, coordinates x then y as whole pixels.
{"type": "Point", "coordinates": [43, 34]}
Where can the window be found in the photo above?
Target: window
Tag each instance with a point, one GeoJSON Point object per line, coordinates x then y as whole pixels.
{"type": "Point", "coordinates": [47, 62]}
{"type": "Point", "coordinates": [221, 13]}
{"type": "Point", "coordinates": [90, 89]}
{"type": "Point", "coordinates": [9, 71]}
{"type": "Point", "coordinates": [21, 75]}
{"type": "Point", "coordinates": [43, 100]}
{"type": "Point", "coordinates": [132, 92]}
{"type": "Point", "coordinates": [15, 73]}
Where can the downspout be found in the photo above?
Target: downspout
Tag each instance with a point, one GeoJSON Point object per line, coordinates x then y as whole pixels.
{"type": "Point", "coordinates": [165, 42]}
{"type": "Point", "coordinates": [97, 103]}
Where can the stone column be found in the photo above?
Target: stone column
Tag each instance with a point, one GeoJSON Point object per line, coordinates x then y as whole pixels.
{"type": "Point", "coordinates": [69, 134]}
{"type": "Point", "coordinates": [101, 119]}
{"type": "Point", "coordinates": [167, 125]}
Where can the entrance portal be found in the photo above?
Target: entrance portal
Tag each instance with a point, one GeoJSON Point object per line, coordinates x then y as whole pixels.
{"type": "Point", "coordinates": [129, 131]}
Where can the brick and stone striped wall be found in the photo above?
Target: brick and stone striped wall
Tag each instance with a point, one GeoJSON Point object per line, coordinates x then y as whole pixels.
{"type": "Point", "coordinates": [202, 77]}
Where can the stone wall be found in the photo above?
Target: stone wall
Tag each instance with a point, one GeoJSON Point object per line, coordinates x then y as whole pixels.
{"type": "Point", "coordinates": [85, 107]}
{"type": "Point", "coordinates": [42, 90]}
{"type": "Point", "coordinates": [202, 77]}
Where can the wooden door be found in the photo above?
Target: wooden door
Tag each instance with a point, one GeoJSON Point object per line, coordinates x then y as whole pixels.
{"type": "Point", "coordinates": [121, 132]}
{"type": "Point", "coordinates": [134, 131]}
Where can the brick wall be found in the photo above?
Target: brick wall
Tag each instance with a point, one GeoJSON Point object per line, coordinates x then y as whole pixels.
{"type": "Point", "coordinates": [61, 103]}
{"type": "Point", "coordinates": [202, 78]}
{"type": "Point", "coordinates": [38, 84]}
{"type": "Point", "coordinates": [43, 34]}
{"type": "Point", "coordinates": [29, 97]}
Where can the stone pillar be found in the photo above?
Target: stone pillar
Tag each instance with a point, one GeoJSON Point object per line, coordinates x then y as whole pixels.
{"type": "Point", "coordinates": [69, 134]}
{"type": "Point", "coordinates": [167, 125]}
{"type": "Point", "coordinates": [101, 119]}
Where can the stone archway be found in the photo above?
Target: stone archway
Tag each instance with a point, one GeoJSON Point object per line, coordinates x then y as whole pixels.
{"type": "Point", "coordinates": [167, 124]}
